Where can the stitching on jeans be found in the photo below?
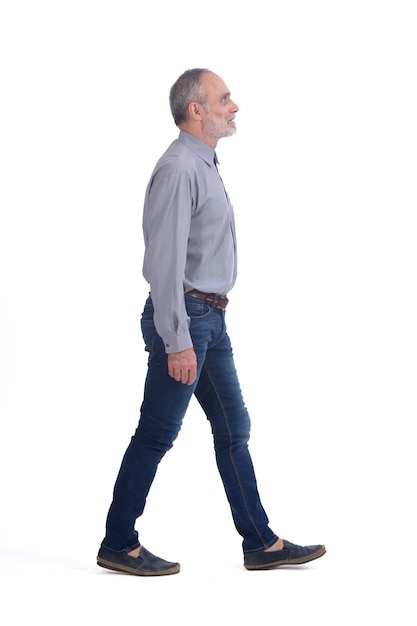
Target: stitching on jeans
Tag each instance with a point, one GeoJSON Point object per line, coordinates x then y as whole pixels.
{"type": "Point", "coordinates": [231, 455]}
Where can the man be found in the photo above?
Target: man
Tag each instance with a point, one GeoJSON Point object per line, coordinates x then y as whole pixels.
{"type": "Point", "coordinates": [190, 264]}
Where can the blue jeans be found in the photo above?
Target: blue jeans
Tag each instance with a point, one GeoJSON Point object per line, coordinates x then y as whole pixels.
{"type": "Point", "coordinates": [164, 405]}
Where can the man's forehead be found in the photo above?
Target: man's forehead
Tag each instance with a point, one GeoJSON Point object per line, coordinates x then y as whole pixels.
{"type": "Point", "coordinates": [214, 83]}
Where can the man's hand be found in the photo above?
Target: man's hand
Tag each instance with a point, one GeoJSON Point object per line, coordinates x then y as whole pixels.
{"type": "Point", "coordinates": [183, 366]}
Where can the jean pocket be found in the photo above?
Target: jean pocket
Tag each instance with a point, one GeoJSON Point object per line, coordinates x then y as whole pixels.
{"type": "Point", "coordinates": [148, 333]}
{"type": "Point", "coordinates": [196, 308]}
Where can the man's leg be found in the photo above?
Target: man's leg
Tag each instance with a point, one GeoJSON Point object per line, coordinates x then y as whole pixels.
{"type": "Point", "coordinates": [163, 408]}
{"type": "Point", "coordinates": [219, 394]}
{"type": "Point", "coordinates": [164, 405]}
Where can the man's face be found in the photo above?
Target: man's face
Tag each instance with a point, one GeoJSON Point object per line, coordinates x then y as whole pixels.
{"type": "Point", "coordinates": [220, 111]}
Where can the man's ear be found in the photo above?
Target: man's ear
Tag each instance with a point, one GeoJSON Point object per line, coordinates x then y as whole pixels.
{"type": "Point", "coordinates": [194, 110]}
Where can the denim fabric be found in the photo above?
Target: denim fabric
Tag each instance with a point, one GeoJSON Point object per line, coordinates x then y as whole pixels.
{"type": "Point", "coordinates": [164, 405]}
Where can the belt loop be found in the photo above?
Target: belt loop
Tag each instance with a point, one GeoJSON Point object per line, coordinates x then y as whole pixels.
{"type": "Point", "coordinates": [211, 300]}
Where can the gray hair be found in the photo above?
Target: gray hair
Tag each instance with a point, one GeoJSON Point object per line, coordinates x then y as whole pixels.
{"type": "Point", "coordinates": [186, 89]}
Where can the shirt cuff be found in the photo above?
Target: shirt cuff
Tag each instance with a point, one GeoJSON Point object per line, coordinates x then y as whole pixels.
{"type": "Point", "coordinates": [176, 343]}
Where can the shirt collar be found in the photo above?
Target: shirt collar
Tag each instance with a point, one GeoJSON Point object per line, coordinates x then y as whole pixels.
{"type": "Point", "coordinates": [199, 147]}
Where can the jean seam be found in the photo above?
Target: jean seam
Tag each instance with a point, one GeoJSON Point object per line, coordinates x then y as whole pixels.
{"type": "Point", "coordinates": [255, 527]}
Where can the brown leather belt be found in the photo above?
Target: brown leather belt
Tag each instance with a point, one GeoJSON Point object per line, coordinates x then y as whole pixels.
{"type": "Point", "coordinates": [217, 302]}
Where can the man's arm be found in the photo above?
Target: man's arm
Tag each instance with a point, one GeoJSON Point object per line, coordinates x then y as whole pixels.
{"type": "Point", "coordinates": [167, 216]}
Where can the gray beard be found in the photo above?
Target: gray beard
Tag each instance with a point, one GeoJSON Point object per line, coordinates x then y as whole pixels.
{"type": "Point", "coordinates": [213, 130]}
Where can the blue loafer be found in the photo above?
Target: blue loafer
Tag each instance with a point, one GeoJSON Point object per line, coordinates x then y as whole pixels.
{"type": "Point", "coordinates": [146, 564]}
{"type": "Point", "coordinates": [291, 554]}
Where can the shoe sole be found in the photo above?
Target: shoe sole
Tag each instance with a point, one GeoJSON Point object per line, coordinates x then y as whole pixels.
{"type": "Point", "coordinates": [300, 561]}
{"type": "Point", "coordinates": [130, 570]}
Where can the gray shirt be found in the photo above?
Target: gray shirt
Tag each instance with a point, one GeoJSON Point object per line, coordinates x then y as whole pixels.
{"type": "Point", "coordinates": [189, 233]}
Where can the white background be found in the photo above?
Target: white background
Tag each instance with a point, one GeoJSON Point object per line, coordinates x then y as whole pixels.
{"type": "Point", "coordinates": [322, 175]}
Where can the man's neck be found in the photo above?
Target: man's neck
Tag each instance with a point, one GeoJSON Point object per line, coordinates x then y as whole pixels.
{"type": "Point", "coordinates": [196, 131]}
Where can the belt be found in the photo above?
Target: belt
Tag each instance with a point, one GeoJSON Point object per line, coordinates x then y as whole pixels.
{"type": "Point", "coordinates": [212, 299]}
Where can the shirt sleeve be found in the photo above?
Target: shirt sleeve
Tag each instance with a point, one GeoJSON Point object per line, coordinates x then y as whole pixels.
{"type": "Point", "coordinates": [166, 226]}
